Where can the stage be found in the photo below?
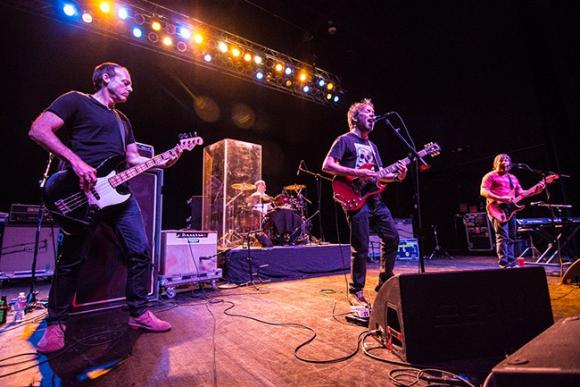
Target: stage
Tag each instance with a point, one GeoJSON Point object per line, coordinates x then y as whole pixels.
{"type": "Point", "coordinates": [239, 336]}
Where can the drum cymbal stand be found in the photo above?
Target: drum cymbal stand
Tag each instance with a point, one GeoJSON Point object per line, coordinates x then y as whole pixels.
{"type": "Point", "coordinates": [253, 277]}
{"type": "Point", "coordinates": [232, 238]}
{"type": "Point", "coordinates": [303, 229]}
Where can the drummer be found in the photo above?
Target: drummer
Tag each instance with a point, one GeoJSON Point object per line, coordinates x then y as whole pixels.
{"type": "Point", "coordinates": [260, 201]}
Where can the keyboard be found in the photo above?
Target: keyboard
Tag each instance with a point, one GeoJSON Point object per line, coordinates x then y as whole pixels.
{"type": "Point", "coordinates": [547, 221]}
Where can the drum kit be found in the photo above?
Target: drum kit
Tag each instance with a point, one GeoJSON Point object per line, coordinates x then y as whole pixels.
{"type": "Point", "coordinates": [282, 218]}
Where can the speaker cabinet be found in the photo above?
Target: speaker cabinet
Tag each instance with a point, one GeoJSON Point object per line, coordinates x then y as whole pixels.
{"type": "Point", "coordinates": [432, 317]}
{"type": "Point", "coordinates": [17, 253]}
{"type": "Point", "coordinates": [188, 256]}
{"type": "Point", "coordinates": [550, 359]}
{"type": "Point", "coordinates": [103, 277]}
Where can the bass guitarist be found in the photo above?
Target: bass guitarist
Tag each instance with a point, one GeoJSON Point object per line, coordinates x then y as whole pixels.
{"type": "Point", "coordinates": [499, 186]}
{"type": "Point", "coordinates": [96, 132]}
{"type": "Point", "coordinates": [348, 154]}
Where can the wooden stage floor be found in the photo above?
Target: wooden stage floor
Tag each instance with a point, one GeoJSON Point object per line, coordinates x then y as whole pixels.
{"type": "Point", "coordinates": [244, 336]}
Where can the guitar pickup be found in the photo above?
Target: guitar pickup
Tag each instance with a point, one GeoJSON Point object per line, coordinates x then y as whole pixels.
{"type": "Point", "coordinates": [95, 194]}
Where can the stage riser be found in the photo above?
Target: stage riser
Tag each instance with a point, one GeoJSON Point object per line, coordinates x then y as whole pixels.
{"type": "Point", "coordinates": [287, 263]}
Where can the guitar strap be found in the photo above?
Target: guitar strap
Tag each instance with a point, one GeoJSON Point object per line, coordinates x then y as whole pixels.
{"type": "Point", "coordinates": [121, 128]}
{"type": "Point", "coordinates": [510, 180]}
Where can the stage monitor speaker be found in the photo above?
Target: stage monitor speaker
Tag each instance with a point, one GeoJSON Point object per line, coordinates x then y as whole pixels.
{"type": "Point", "coordinates": [17, 252]}
{"type": "Point", "coordinates": [432, 317]}
{"type": "Point", "coordinates": [550, 359]}
{"type": "Point", "coordinates": [572, 275]}
{"type": "Point", "coordinates": [103, 277]}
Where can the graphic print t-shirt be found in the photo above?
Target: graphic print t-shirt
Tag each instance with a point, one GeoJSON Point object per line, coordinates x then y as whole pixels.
{"type": "Point", "coordinates": [352, 151]}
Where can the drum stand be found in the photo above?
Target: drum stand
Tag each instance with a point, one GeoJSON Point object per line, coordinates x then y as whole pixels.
{"type": "Point", "coordinates": [251, 275]}
{"type": "Point", "coordinates": [232, 238]}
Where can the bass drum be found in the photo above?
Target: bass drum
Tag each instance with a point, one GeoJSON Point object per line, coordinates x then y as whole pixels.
{"type": "Point", "coordinates": [284, 227]}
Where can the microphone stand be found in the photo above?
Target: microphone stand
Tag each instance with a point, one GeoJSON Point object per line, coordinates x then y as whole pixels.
{"type": "Point", "coordinates": [31, 297]}
{"type": "Point", "coordinates": [319, 179]}
{"type": "Point", "coordinates": [413, 155]}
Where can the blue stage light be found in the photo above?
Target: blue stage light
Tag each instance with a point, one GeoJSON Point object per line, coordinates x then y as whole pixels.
{"type": "Point", "coordinates": [137, 32]}
{"type": "Point", "coordinates": [70, 10]}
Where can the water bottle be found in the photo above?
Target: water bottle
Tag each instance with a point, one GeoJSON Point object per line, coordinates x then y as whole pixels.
{"type": "Point", "coordinates": [19, 307]}
{"type": "Point", "coordinates": [3, 309]}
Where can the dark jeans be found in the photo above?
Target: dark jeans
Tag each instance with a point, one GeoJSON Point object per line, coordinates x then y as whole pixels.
{"type": "Point", "coordinates": [505, 239]}
{"type": "Point", "coordinates": [127, 222]}
{"type": "Point", "coordinates": [374, 214]}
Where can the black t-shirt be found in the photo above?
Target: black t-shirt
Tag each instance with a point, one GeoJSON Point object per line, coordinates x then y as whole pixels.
{"type": "Point", "coordinates": [351, 151]}
{"type": "Point", "coordinates": [92, 128]}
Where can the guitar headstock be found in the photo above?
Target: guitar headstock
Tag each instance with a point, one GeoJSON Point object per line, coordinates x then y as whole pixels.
{"type": "Point", "coordinates": [432, 148]}
{"type": "Point", "coordinates": [550, 178]}
{"type": "Point", "coordinates": [188, 141]}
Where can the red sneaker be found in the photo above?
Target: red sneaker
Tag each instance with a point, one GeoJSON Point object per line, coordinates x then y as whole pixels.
{"type": "Point", "coordinates": [52, 340]}
{"type": "Point", "coordinates": [149, 322]}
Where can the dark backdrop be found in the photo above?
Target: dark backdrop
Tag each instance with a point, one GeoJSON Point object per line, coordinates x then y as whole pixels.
{"type": "Point", "coordinates": [477, 77]}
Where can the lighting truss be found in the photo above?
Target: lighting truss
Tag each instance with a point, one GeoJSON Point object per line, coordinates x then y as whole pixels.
{"type": "Point", "coordinates": [162, 30]}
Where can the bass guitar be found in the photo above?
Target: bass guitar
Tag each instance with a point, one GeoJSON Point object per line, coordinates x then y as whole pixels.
{"type": "Point", "coordinates": [502, 212]}
{"type": "Point", "coordinates": [352, 192]}
{"type": "Point", "coordinates": [73, 209]}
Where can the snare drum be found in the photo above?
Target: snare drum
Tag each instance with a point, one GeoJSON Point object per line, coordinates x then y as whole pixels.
{"type": "Point", "coordinates": [283, 226]}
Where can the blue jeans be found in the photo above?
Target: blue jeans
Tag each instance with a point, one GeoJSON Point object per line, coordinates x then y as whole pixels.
{"type": "Point", "coordinates": [127, 221]}
{"type": "Point", "coordinates": [505, 239]}
{"type": "Point", "coordinates": [374, 214]}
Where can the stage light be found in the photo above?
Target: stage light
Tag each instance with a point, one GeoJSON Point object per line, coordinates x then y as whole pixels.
{"type": "Point", "coordinates": [288, 71]}
{"type": "Point", "coordinates": [330, 86]}
{"type": "Point", "coordinates": [260, 75]}
{"type": "Point", "coordinates": [279, 67]}
{"type": "Point", "coordinates": [258, 59]}
{"type": "Point", "coordinates": [328, 96]}
{"type": "Point", "coordinates": [335, 99]}
{"type": "Point", "coordinates": [184, 32]}
{"type": "Point", "coordinates": [137, 32]}
{"type": "Point", "coordinates": [207, 58]}
{"type": "Point", "coordinates": [167, 41]}
{"type": "Point", "coordinates": [70, 10]}
{"type": "Point", "coordinates": [123, 13]}
{"type": "Point", "coordinates": [198, 38]}
{"type": "Point", "coordinates": [222, 47]}
{"type": "Point", "coordinates": [236, 52]}
{"type": "Point", "coordinates": [247, 57]}
{"type": "Point", "coordinates": [306, 89]}
{"type": "Point", "coordinates": [181, 47]}
{"type": "Point", "coordinates": [156, 26]}
{"type": "Point", "coordinates": [105, 7]}
{"type": "Point", "coordinates": [321, 83]}
{"type": "Point", "coordinates": [153, 37]}
{"type": "Point", "coordinates": [303, 76]}
{"type": "Point", "coordinates": [87, 18]}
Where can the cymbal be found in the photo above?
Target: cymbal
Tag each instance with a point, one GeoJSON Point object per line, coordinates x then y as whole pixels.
{"type": "Point", "coordinates": [243, 186]}
{"type": "Point", "coordinates": [294, 187]}
{"type": "Point", "coordinates": [257, 197]}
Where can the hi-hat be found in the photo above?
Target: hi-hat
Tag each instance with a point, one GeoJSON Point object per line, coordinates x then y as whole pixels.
{"type": "Point", "coordinates": [243, 186]}
{"type": "Point", "coordinates": [294, 187]}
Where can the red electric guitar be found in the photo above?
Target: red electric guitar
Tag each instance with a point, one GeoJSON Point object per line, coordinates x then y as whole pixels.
{"type": "Point", "coordinates": [502, 212]}
{"type": "Point", "coordinates": [352, 192]}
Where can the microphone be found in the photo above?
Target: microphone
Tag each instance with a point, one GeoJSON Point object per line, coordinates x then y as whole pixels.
{"type": "Point", "coordinates": [381, 117]}
{"type": "Point", "coordinates": [299, 167]}
{"type": "Point", "coordinates": [520, 166]}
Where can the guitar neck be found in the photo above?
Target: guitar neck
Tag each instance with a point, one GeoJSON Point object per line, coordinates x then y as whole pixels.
{"type": "Point", "coordinates": [130, 173]}
{"type": "Point", "coordinates": [393, 167]}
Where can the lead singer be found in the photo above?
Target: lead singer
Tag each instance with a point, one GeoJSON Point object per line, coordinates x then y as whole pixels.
{"type": "Point", "coordinates": [348, 153]}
